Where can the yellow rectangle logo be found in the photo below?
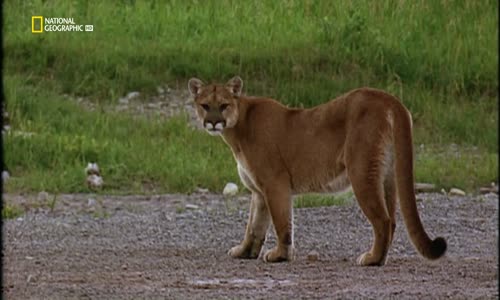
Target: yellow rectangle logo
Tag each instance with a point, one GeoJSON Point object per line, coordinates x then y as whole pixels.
{"type": "Point", "coordinates": [36, 24]}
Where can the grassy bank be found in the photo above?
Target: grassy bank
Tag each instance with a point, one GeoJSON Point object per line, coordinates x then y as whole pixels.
{"type": "Point", "coordinates": [439, 57]}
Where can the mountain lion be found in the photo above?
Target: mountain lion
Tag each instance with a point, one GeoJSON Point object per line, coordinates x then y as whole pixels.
{"type": "Point", "coordinates": [361, 139]}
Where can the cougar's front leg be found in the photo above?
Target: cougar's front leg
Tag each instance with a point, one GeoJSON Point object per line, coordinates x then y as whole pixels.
{"type": "Point", "coordinates": [279, 201]}
{"type": "Point", "coordinates": [255, 234]}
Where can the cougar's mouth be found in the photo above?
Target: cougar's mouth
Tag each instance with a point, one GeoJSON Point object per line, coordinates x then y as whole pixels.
{"type": "Point", "coordinates": [214, 129]}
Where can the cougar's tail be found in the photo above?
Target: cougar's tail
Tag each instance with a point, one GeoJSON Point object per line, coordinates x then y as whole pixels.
{"type": "Point", "coordinates": [403, 148]}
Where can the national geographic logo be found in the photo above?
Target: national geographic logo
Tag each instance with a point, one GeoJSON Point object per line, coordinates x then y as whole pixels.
{"type": "Point", "coordinates": [40, 24]}
{"type": "Point", "coordinates": [37, 24]}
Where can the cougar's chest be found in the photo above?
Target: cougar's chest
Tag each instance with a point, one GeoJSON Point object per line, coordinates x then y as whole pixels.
{"type": "Point", "coordinates": [244, 171]}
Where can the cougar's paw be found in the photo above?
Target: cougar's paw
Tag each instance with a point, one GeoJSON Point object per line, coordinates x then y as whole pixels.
{"type": "Point", "coordinates": [276, 255]}
{"type": "Point", "coordinates": [242, 251]}
{"type": "Point", "coordinates": [367, 259]}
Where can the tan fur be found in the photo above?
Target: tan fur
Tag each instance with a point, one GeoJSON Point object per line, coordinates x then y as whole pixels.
{"type": "Point", "coordinates": [363, 139]}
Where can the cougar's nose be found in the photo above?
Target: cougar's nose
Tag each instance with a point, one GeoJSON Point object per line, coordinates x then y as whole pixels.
{"type": "Point", "coordinates": [214, 125]}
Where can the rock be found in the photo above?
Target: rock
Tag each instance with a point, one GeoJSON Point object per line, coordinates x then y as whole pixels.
{"type": "Point", "coordinates": [42, 196]}
{"type": "Point", "coordinates": [202, 191]}
{"type": "Point", "coordinates": [91, 202]}
{"type": "Point", "coordinates": [443, 191]}
{"type": "Point", "coordinates": [5, 176]}
{"type": "Point", "coordinates": [19, 219]}
{"type": "Point", "coordinates": [488, 190]}
{"type": "Point", "coordinates": [160, 90]}
{"type": "Point", "coordinates": [121, 107]}
{"type": "Point", "coordinates": [192, 206]}
{"type": "Point", "coordinates": [123, 101]}
{"type": "Point", "coordinates": [133, 95]}
{"type": "Point", "coordinates": [425, 187]}
{"type": "Point", "coordinates": [92, 168]}
{"type": "Point", "coordinates": [94, 181]}
{"type": "Point", "coordinates": [230, 189]}
{"type": "Point", "coordinates": [456, 192]}
{"type": "Point", "coordinates": [494, 189]}
{"type": "Point", "coordinates": [153, 105]}
{"type": "Point", "coordinates": [313, 255]}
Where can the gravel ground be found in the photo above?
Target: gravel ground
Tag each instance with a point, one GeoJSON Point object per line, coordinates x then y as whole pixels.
{"type": "Point", "coordinates": [174, 246]}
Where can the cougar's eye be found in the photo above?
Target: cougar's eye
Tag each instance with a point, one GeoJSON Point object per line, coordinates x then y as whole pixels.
{"type": "Point", "coordinates": [223, 107]}
{"type": "Point", "coordinates": [206, 107]}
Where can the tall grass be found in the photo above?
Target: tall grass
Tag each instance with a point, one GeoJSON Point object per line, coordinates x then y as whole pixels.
{"type": "Point", "coordinates": [449, 45]}
{"type": "Point", "coordinates": [439, 57]}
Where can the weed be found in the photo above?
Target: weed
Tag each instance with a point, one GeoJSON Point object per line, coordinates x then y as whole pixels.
{"type": "Point", "coordinates": [11, 211]}
{"type": "Point", "coordinates": [101, 214]}
{"type": "Point", "coordinates": [52, 203]}
{"type": "Point", "coordinates": [180, 209]}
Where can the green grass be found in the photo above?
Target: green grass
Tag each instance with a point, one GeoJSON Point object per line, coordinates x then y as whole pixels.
{"type": "Point", "coordinates": [447, 45]}
{"type": "Point", "coordinates": [317, 200]}
{"type": "Point", "coordinates": [448, 167]}
{"type": "Point", "coordinates": [11, 211]}
{"type": "Point", "coordinates": [440, 57]}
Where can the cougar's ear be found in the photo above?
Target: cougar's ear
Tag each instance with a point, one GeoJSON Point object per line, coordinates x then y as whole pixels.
{"type": "Point", "coordinates": [235, 85]}
{"type": "Point", "coordinates": [195, 85]}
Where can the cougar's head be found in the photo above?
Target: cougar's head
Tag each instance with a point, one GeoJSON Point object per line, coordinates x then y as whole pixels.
{"type": "Point", "coordinates": [216, 105]}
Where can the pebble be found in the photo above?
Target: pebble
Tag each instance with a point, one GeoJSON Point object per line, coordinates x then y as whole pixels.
{"type": "Point", "coordinates": [192, 206]}
{"type": "Point", "coordinates": [133, 95]}
{"type": "Point", "coordinates": [313, 255]}
{"type": "Point", "coordinates": [457, 192]}
{"type": "Point", "coordinates": [5, 176]}
{"type": "Point", "coordinates": [487, 190]}
{"type": "Point", "coordinates": [425, 187]}
{"type": "Point", "coordinates": [230, 189]}
{"type": "Point", "coordinates": [42, 196]}
{"type": "Point", "coordinates": [92, 168]}
{"type": "Point", "coordinates": [155, 105]}
{"type": "Point", "coordinates": [202, 191]}
{"type": "Point", "coordinates": [91, 202]}
{"type": "Point", "coordinates": [94, 181]}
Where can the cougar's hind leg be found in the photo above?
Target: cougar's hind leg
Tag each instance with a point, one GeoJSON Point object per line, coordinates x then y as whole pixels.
{"type": "Point", "coordinates": [390, 195]}
{"type": "Point", "coordinates": [364, 169]}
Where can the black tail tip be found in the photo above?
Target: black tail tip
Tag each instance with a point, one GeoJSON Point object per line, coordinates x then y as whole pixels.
{"type": "Point", "coordinates": [438, 248]}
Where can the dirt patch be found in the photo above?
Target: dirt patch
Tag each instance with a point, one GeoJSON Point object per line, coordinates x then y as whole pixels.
{"type": "Point", "coordinates": [166, 103]}
{"type": "Point", "coordinates": [174, 246]}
